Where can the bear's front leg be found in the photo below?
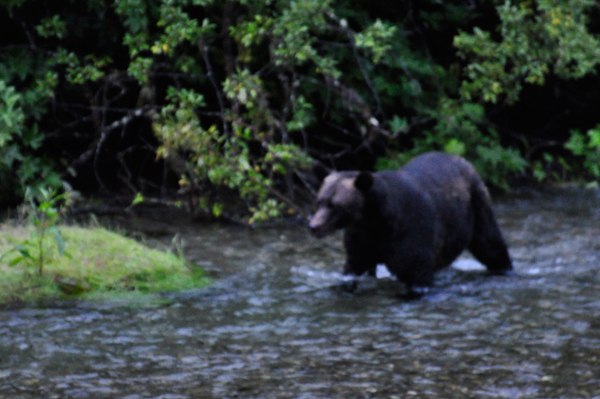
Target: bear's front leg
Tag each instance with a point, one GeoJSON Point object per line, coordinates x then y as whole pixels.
{"type": "Point", "coordinates": [361, 254]}
{"type": "Point", "coordinates": [352, 270]}
{"type": "Point", "coordinates": [360, 258]}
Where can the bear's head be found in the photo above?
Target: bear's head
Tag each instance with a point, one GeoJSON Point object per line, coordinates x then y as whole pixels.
{"type": "Point", "coordinates": [340, 201]}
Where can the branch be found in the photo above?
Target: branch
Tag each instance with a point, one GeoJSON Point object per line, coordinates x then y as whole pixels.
{"type": "Point", "coordinates": [204, 50]}
{"type": "Point", "coordinates": [343, 27]}
{"type": "Point", "coordinates": [105, 133]}
{"type": "Point", "coordinates": [351, 98]}
{"type": "Point", "coordinates": [281, 197]}
{"type": "Point", "coordinates": [364, 74]}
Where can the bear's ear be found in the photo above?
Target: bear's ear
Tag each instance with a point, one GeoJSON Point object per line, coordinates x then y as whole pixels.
{"type": "Point", "coordinates": [363, 181]}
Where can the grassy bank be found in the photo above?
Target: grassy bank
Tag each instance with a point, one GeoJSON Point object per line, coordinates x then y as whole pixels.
{"type": "Point", "coordinates": [97, 264]}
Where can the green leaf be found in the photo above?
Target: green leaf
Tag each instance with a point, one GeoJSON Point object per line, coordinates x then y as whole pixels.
{"type": "Point", "coordinates": [139, 198]}
{"type": "Point", "coordinates": [58, 239]}
{"type": "Point", "coordinates": [217, 209]}
{"type": "Point", "coordinates": [23, 251]}
{"type": "Point", "coordinates": [18, 260]}
{"type": "Point", "coordinates": [455, 147]}
{"type": "Point", "coordinates": [594, 135]}
{"type": "Point", "coordinates": [576, 143]}
{"type": "Point", "coordinates": [52, 27]}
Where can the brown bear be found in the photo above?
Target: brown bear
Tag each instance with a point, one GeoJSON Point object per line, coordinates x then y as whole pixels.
{"type": "Point", "coordinates": [415, 220]}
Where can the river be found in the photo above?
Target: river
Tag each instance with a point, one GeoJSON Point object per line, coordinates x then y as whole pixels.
{"type": "Point", "coordinates": [275, 323]}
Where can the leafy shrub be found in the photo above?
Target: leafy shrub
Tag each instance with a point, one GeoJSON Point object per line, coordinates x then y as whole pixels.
{"type": "Point", "coordinates": [44, 215]}
{"type": "Point", "coordinates": [247, 95]}
{"type": "Point", "coordinates": [20, 139]}
{"type": "Point", "coordinates": [588, 148]}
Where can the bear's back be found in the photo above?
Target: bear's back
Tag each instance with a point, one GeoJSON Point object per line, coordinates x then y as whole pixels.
{"type": "Point", "coordinates": [449, 183]}
{"type": "Point", "coordinates": [438, 169]}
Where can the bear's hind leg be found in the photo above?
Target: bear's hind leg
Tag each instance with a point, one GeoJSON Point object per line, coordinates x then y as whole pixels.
{"type": "Point", "coordinates": [487, 244]}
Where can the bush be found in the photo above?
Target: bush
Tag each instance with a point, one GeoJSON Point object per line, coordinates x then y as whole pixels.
{"type": "Point", "coordinates": [248, 95]}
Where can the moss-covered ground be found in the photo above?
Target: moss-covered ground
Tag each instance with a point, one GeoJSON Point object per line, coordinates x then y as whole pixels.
{"type": "Point", "coordinates": [97, 264]}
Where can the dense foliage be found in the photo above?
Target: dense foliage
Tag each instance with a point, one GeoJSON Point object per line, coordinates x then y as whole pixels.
{"type": "Point", "coordinates": [247, 98]}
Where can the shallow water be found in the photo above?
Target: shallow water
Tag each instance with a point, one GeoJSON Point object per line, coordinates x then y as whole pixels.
{"type": "Point", "coordinates": [276, 325]}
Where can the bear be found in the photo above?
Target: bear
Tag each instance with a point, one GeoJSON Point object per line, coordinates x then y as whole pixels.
{"type": "Point", "coordinates": [415, 220]}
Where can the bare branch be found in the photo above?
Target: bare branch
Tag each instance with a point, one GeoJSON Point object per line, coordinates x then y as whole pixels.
{"type": "Point", "coordinates": [106, 132]}
{"type": "Point", "coordinates": [204, 50]}
{"type": "Point", "coordinates": [343, 27]}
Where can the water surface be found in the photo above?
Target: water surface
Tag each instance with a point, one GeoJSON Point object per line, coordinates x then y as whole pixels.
{"type": "Point", "coordinates": [276, 325]}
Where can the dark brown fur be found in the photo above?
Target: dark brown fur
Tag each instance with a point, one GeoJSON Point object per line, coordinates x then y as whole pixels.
{"type": "Point", "coordinates": [415, 220]}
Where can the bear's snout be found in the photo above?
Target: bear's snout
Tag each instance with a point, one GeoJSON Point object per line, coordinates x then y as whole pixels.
{"type": "Point", "coordinates": [317, 232]}
{"type": "Point", "coordinates": [318, 224]}
{"type": "Point", "coordinates": [316, 229]}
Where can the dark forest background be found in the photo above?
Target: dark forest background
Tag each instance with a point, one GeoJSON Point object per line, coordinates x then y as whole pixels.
{"type": "Point", "coordinates": [246, 104]}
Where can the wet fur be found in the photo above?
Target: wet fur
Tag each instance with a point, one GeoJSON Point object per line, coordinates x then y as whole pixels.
{"type": "Point", "coordinates": [415, 220]}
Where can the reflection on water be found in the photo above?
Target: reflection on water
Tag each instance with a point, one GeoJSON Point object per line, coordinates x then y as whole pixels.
{"type": "Point", "coordinates": [275, 325]}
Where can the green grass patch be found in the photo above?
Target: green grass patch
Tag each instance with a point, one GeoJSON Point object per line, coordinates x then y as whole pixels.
{"type": "Point", "coordinates": [97, 264]}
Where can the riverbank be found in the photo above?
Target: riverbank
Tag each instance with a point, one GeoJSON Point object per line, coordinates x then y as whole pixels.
{"type": "Point", "coordinates": [97, 263]}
